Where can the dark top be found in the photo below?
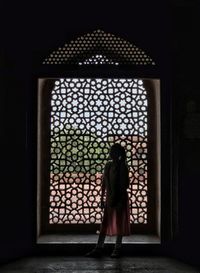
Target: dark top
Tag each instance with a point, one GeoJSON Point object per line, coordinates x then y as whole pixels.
{"type": "Point", "coordinates": [116, 182]}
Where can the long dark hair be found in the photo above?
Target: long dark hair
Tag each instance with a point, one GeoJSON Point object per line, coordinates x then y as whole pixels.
{"type": "Point", "coordinates": [117, 151]}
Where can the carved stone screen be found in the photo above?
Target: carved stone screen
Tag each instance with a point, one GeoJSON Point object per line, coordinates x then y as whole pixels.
{"type": "Point", "coordinates": [87, 117]}
{"type": "Point", "coordinates": [88, 48]}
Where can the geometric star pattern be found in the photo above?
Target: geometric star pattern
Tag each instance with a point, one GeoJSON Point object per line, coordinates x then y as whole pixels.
{"type": "Point", "coordinates": [88, 115]}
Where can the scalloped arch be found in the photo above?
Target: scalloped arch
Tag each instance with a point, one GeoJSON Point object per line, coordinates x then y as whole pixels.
{"type": "Point", "coordinates": [97, 48]}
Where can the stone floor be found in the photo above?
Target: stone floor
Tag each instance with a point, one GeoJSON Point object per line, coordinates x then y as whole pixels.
{"type": "Point", "coordinates": [78, 264]}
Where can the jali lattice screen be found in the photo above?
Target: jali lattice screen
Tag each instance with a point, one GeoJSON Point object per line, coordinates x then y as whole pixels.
{"type": "Point", "coordinates": [87, 117]}
{"type": "Point", "coordinates": [87, 49]}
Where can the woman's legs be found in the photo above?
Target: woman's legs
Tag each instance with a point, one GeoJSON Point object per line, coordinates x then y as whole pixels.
{"type": "Point", "coordinates": [101, 240]}
{"type": "Point", "coordinates": [117, 248]}
{"type": "Point", "coordinates": [102, 237]}
{"type": "Point", "coordinates": [97, 251]}
{"type": "Point", "coordinates": [118, 243]}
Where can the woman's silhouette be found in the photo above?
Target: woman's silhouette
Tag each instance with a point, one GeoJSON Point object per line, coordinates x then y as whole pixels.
{"type": "Point", "coordinates": [116, 217]}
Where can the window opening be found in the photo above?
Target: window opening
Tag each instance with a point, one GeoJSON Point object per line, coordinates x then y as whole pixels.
{"type": "Point", "coordinates": [87, 117]}
{"type": "Point", "coordinates": [81, 119]}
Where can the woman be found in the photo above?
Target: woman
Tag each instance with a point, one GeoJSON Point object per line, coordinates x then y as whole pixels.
{"type": "Point", "coordinates": [116, 217]}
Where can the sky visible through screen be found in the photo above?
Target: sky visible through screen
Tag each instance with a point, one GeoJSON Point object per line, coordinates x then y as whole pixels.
{"type": "Point", "coordinates": [80, 99]}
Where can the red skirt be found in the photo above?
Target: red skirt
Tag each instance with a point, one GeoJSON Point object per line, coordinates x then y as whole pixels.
{"type": "Point", "coordinates": [116, 221]}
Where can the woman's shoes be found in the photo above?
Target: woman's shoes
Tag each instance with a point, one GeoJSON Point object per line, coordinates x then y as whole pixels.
{"type": "Point", "coordinates": [115, 253]}
{"type": "Point", "coordinates": [96, 252]}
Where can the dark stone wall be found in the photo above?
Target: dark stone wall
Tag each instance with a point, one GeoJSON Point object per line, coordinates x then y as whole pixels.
{"type": "Point", "coordinates": [168, 32]}
{"type": "Point", "coordinates": [186, 126]}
